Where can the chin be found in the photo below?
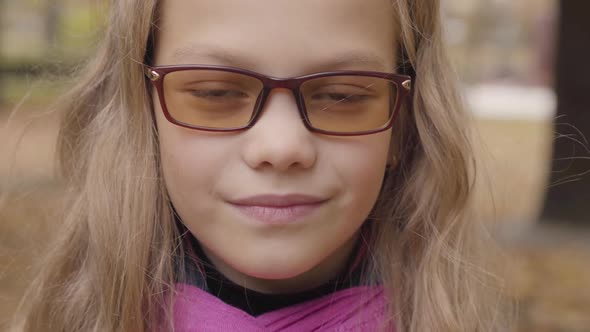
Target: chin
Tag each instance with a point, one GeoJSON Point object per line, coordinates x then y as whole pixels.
{"type": "Point", "coordinates": [278, 271]}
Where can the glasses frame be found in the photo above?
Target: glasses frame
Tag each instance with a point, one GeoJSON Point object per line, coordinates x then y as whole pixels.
{"type": "Point", "coordinates": [156, 75]}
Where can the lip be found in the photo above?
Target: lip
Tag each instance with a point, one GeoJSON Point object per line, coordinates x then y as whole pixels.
{"type": "Point", "coordinates": [278, 200]}
{"type": "Point", "coordinates": [278, 209]}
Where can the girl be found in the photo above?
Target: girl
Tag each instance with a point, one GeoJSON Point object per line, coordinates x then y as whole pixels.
{"type": "Point", "coordinates": [266, 165]}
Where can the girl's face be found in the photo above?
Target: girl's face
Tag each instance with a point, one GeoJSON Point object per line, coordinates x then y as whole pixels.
{"type": "Point", "coordinates": [278, 162]}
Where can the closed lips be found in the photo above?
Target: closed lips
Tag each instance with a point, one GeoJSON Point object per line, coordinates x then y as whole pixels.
{"type": "Point", "coordinates": [279, 201]}
{"type": "Point", "coordinates": [277, 209]}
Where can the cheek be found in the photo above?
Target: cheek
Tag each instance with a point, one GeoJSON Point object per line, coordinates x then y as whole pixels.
{"type": "Point", "coordinates": [176, 155]}
{"type": "Point", "coordinates": [361, 165]}
{"type": "Point", "coordinates": [188, 174]}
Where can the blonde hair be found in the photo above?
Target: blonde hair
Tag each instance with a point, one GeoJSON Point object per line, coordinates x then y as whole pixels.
{"type": "Point", "coordinates": [115, 263]}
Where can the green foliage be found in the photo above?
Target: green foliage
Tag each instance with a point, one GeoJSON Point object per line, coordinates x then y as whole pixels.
{"type": "Point", "coordinates": [29, 55]}
{"type": "Point", "coordinates": [34, 92]}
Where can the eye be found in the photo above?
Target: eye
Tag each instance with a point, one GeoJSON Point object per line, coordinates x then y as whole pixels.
{"type": "Point", "coordinates": [341, 92]}
{"type": "Point", "coordinates": [340, 97]}
{"type": "Point", "coordinates": [218, 93]}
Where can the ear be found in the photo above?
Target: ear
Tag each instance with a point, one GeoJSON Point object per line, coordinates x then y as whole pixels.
{"type": "Point", "coordinates": [394, 149]}
{"type": "Point", "coordinates": [398, 140]}
{"type": "Point", "coordinates": [391, 161]}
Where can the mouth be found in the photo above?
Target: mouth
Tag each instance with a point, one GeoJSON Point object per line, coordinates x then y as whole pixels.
{"type": "Point", "coordinates": [278, 209]}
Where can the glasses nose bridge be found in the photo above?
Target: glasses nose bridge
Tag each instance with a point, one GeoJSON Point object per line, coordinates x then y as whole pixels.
{"type": "Point", "coordinates": [271, 83]}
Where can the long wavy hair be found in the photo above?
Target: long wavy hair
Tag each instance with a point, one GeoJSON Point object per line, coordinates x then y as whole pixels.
{"type": "Point", "coordinates": [114, 265]}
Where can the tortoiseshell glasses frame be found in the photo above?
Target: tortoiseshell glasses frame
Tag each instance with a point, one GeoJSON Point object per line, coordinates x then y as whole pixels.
{"type": "Point", "coordinates": [398, 88]}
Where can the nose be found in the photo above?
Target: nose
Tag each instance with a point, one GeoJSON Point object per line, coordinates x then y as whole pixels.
{"type": "Point", "coordinates": [279, 139]}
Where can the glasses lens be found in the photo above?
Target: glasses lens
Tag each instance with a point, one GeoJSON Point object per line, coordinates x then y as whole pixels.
{"type": "Point", "coordinates": [211, 98]}
{"type": "Point", "coordinates": [349, 104]}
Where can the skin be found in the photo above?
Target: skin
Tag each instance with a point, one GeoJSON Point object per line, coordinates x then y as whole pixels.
{"type": "Point", "coordinates": [204, 170]}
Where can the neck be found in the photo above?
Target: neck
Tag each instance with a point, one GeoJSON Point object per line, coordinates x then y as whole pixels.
{"type": "Point", "coordinates": [326, 270]}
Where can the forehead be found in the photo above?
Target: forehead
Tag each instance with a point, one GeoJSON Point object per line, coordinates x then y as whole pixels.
{"type": "Point", "coordinates": [278, 37]}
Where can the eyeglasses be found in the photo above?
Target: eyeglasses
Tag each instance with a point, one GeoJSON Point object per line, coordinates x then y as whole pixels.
{"type": "Point", "coordinates": [226, 99]}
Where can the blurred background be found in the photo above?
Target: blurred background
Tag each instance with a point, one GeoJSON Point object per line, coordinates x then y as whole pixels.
{"type": "Point", "coordinates": [523, 66]}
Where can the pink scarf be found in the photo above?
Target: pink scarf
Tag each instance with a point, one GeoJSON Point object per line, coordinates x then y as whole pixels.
{"type": "Point", "coordinates": [358, 308]}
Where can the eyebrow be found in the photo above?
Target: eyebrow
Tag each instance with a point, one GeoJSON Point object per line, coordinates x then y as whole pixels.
{"type": "Point", "coordinates": [211, 52]}
{"type": "Point", "coordinates": [223, 56]}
